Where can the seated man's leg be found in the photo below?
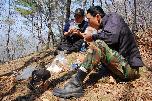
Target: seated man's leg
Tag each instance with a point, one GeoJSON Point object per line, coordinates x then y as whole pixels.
{"type": "Point", "coordinates": [74, 86]}
{"type": "Point", "coordinates": [93, 58]}
{"type": "Point", "coordinates": [116, 63]}
{"type": "Point", "coordinates": [100, 52]}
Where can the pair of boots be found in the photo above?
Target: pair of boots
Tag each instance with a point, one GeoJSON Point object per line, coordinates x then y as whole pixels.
{"type": "Point", "coordinates": [73, 88]}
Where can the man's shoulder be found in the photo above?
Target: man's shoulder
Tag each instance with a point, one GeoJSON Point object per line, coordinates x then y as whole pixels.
{"type": "Point", "coordinates": [114, 14]}
{"type": "Point", "coordinates": [116, 18]}
{"type": "Point", "coordinates": [70, 21]}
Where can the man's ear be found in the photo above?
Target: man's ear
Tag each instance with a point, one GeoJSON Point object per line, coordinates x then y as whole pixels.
{"type": "Point", "coordinates": [98, 18]}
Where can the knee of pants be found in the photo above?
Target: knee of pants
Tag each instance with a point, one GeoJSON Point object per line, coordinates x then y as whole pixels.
{"type": "Point", "coordinates": [128, 75]}
{"type": "Point", "coordinates": [133, 73]}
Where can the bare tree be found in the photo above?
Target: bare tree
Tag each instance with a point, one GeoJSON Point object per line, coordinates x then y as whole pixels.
{"type": "Point", "coordinates": [100, 3]}
{"type": "Point", "coordinates": [134, 27]}
{"type": "Point", "coordinates": [68, 4]}
{"type": "Point", "coordinates": [92, 2]}
{"type": "Point", "coordinates": [8, 35]}
{"type": "Point", "coordinates": [107, 6]}
{"type": "Point", "coordinates": [126, 13]}
{"type": "Point", "coordinates": [84, 3]}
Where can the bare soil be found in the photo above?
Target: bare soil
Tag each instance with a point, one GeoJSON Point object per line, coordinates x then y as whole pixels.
{"type": "Point", "coordinates": [102, 89]}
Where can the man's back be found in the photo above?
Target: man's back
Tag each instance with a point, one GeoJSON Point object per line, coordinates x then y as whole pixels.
{"type": "Point", "coordinates": [119, 37]}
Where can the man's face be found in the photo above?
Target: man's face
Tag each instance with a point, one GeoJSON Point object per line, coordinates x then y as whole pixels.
{"type": "Point", "coordinates": [78, 18]}
{"type": "Point", "coordinates": [94, 21]}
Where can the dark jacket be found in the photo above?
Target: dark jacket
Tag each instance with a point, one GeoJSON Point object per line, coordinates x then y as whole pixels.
{"type": "Point", "coordinates": [116, 33]}
{"type": "Point", "coordinates": [82, 27]}
{"type": "Point", "coordinates": [73, 43]}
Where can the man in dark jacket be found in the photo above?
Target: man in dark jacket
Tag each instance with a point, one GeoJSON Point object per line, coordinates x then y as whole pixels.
{"type": "Point", "coordinates": [113, 45]}
{"type": "Point", "coordinates": [73, 40]}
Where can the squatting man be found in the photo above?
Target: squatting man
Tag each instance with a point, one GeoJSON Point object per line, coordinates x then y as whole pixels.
{"type": "Point", "coordinates": [113, 45]}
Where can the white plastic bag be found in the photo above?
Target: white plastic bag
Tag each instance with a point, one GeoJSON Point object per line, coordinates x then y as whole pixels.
{"type": "Point", "coordinates": [58, 63]}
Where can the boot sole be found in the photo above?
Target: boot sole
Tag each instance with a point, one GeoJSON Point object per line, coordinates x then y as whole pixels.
{"type": "Point", "coordinates": [67, 96]}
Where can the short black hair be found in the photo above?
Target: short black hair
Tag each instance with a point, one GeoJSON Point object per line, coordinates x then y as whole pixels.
{"type": "Point", "coordinates": [94, 10]}
{"type": "Point", "coordinates": [79, 12]}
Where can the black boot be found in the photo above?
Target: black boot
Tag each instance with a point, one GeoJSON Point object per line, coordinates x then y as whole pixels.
{"type": "Point", "coordinates": [73, 88]}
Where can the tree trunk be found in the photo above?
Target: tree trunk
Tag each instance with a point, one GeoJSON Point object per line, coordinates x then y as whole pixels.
{"type": "Point", "coordinates": [100, 3]}
{"type": "Point", "coordinates": [50, 32]}
{"type": "Point", "coordinates": [92, 2]}
{"type": "Point", "coordinates": [107, 6]}
{"type": "Point", "coordinates": [84, 3]}
{"type": "Point", "coordinates": [134, 27]}
{"type": "Point", "coordinates": [50, 36]}
{"type": "Point", "coordinates": [68, 4]}
{"type": "Point", "coordinates": [126, 14]}
{"type": "Point", "coordinates": [8, 36]}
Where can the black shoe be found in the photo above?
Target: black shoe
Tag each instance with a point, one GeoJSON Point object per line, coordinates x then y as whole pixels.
{"type": "Point", "coordinates": [73, 88]}
{"type": "Point", "coordinates": [70, 90]}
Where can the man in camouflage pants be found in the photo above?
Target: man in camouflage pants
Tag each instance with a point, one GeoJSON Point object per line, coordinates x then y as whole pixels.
{"type": "Point", "coordinates": [113, 45]}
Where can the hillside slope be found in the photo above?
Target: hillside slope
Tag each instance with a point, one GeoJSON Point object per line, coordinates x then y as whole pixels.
{"type": "Point", "coordinates": [100, 90]}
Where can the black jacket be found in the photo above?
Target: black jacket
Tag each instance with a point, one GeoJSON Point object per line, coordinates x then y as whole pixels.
{"type": "Point", "coordinates": [116, 33]}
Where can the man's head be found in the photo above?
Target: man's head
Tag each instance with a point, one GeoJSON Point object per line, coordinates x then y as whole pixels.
{"type": "Point", "coordinates": [79, 15]}
{"type": "Point", "coordinates": [94, 16]}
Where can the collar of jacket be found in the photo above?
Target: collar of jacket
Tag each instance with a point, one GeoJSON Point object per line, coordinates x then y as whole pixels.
{"type": "Point", "coordinates": [104, 21]}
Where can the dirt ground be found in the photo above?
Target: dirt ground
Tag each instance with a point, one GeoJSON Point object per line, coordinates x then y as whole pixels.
{"type": "Point", "coordinates": [102, 89]}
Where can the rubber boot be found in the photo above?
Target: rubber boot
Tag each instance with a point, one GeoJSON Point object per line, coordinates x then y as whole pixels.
{"type": "Point", "coordinates": [73, 88]}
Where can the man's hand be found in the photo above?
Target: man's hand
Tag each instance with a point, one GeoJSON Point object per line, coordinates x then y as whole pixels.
{"type": "Point", "coordinates": [88, 34]}
{"type": "Point", "coordinates": [75, 31]}
{"type": "Point", "coordinates": [88, 37]}
{"type": "Point", "coordinates": [71, 31]}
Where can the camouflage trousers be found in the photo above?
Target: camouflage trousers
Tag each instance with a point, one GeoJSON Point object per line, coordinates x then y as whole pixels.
{"type": "Point", "coordinates": [99, 52]}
